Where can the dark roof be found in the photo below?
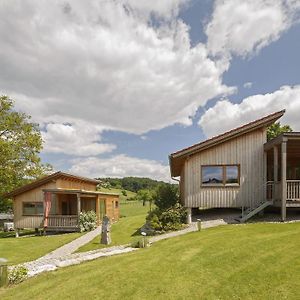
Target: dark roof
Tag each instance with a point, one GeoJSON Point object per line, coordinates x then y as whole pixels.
{"type": "Point", "coordinates": [177, 158]}
{"type": "Point", "coordinates": [46, 179]}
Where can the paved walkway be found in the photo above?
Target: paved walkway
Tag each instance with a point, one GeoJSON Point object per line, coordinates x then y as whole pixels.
{"type": "Point", "coordinates": [74, 245]}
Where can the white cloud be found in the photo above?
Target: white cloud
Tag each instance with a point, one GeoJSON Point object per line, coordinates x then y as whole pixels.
{"type": "Point", "coordinates": [120, 166]}
{"type": "Point", "coordinates": [241, 27]}
{"type": "Point", "coordinates": [247, 85]}
{"type": "Point", "coordinates": [103, 63]}
{"type": "Point", "coordinates": [232, 115]}
{"type": "Point", "coordinates": [79, 139]}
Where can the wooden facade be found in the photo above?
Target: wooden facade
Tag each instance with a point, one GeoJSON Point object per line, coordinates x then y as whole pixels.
{"type": "Point", "coordinates": [70, 195]}
{"type": "Point", "coordinates": [242, 148]}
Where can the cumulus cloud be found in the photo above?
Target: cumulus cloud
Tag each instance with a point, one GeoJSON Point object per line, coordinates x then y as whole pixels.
{"type": "Point", "coordinates": [232, 115]}
{"type": "Point", "coordinates": [74, 139]}
{"type": "Point", "coordinates": [241, 27]}
{"type": "Point", "coordinates": [104, 62]}
{"type": "Point", "coordinates": [120, 166]}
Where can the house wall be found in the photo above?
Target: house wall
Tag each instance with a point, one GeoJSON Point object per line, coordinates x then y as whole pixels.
{"type": "Point", "coordinates": [248, 152]}
{"type": "Point", "coordinates": [34, 195]}
{"type": "Point", "coordinates": [112, 207]}
{"type": "Point", "coordinates": [66, 183]}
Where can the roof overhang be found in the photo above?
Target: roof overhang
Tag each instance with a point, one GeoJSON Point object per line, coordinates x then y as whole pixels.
{"type": "Point", "coordinates": [47, 179]}
{"type": "Point", "coordinates": [284, 137]}
{"type": "Point", "coordinates": [177, 159]}
{"type": "Point", "coordinates": [77, 191]}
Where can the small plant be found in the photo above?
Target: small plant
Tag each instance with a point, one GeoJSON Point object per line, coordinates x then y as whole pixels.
{"type": "Point", "coordinates": [87, 221]}
{"type": "Point", "coordinates": [124, 193]}
{"type": "Point", "coordinates": [17, 274]}
{"type": "Point", "coordinates": [141, 242]}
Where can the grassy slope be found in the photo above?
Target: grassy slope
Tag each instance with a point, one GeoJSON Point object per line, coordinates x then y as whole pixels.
{"type": "Point", "coordinates": [119, 191]}
{"type": "Point", "coordinates": [255, 261]}
{"type": "Point", "coordinates": [18, 250]}
{"type": "Point", "coordinates": [123, 232]}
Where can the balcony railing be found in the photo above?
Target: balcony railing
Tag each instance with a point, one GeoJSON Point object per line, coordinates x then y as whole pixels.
{"type": "Point", "coordinates": [63, 221]}
{"type": "Point", "coordinates": [292, 189]}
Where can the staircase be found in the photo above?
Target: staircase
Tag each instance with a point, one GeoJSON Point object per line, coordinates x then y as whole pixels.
{"type": "Point", "coordinates": [250, 212]}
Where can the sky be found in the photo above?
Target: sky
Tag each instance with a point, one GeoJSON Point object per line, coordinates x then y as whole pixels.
{"type": "Point", "coordinates": [118, 85]}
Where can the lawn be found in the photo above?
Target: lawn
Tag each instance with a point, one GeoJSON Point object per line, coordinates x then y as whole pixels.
{"type": "Point", "coordinates": [255, 261]}
{"type": "Point", "coordinates": [123, 198]}
{"type": "Point", "coordinates": [126, 229]}
{"type": "Point", "coordinates": [26, 248]}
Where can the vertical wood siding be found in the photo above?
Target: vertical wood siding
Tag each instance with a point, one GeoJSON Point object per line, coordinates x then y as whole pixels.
{"type": "Point", "coordinates": [34, 195]}
{"type": "Point", "coordinates": [65, 183]}
{"type": "Point", "coordinates": [248, 152]}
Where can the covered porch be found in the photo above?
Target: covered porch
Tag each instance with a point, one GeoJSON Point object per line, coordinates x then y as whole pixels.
{"type": "Point", "coordinates": [283, 171]}
{"type": "Point", "coordinates": [62, 208]}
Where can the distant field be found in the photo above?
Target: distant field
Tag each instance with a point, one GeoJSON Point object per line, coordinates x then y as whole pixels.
{"type": "Point", "coordinates": [252, 261]}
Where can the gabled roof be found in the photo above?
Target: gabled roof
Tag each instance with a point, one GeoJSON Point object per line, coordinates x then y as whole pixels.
{"type": "Point", "coordinates": [177, 158]}
{"type": "Point", "coordinates": [47, 179]}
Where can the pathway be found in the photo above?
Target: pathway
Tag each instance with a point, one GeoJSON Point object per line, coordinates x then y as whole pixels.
{"type": "Point", "coordinates": [74, 245]}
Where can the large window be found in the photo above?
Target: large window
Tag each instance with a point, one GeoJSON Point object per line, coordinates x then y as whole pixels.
{"type": "Point", "coordinates": [33, 208]}
{"type": "Point", "coordinates": [220, 175]}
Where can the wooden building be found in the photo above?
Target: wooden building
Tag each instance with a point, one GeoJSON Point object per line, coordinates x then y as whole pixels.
{"type": "Point", "coordinates": [240, 169]}
{"type": "Point", "coordinates": [55, 201]}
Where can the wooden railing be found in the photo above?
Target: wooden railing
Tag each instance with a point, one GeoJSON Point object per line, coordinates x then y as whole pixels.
{"type": "Point", "coordinates": [293, 189]}
{"type": "Point", "coordinates": [62, 221]}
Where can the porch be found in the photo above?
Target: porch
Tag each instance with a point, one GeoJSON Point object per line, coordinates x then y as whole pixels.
{"type": "Point", "coordinates": [283, 171]}
{"type": "Point", "coordinates": [62, 208]}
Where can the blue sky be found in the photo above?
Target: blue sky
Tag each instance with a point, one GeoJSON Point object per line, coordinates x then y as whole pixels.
{"type": "Point", "coordinates": [116, 86]}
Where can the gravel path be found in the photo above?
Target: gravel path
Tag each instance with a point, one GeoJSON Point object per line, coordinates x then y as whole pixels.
{"type": "Point", "coordinates": [74, 245]}
{"type": "Point", "coordinates": [50, 264]}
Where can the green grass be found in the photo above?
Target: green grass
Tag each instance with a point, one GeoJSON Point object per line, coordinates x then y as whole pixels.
{"type": "Point", "coordinates": [255, 261]}
{"type": "Point", "coordinates": [26, 248]}
{"type": "Point", "coordinates": [119, 191]}
{"type": "Point", "coordinates": [126, 229]}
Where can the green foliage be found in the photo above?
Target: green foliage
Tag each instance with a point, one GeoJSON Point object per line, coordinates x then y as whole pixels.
{"type": "Point", "coordinates": [133, 184]}
{"type": "Point", "coordinates": [17, 274]}
{"type": "Point", "coordinates": [168, 219]}
{"type": "Point", "coordinates": [87, 221]}
{"type": "Point", "coordinates": [141, 242]}
{"type": "Point", "coordinates": [144, 196]}
{"type": "Point", "coordinates": [166, 195]}
{"type": "Point", "coordinates": [276, 129]}
{"type": "Point", "coordinates": [20, 144]}
{"type": "Point", "coordinates": [124, 193]}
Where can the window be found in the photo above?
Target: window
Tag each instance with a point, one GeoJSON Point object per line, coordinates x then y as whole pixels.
{"type": "Point", "coordinates": [221, 175]}
{"type": "Point", "coordinates": [33, 208]}
{"type": "Point", "coordinates": [116, 204]}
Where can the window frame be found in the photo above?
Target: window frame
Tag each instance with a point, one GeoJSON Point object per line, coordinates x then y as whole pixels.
{"type": "Point", "coordinates": [224, 176]}
{"type": "Point", "coordinates": [35, 208]}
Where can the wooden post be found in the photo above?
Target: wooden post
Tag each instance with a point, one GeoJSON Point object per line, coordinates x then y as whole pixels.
{"type": "Point", "coordinates": [78, 206]}
{"type": "Point", "coordinates": [275, 150]}
{"type": "Point", "coordinates": [97, 209]}
{"type": "Point", "coordinates": [283, 180]}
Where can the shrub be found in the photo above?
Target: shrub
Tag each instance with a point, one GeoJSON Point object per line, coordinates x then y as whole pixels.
{"type": "Point", "coordinates": [87, 221]}
{"type": "Point", "coordinates": [17, 274]}
{"type": "Point", "coordinates": [172, 218]}
{"type": "Point", "coordinates": [166, 196]}
{"type": "Point", "coordinates": [124, 193]}
{"type": "Point", "coordinates": [142, 242]}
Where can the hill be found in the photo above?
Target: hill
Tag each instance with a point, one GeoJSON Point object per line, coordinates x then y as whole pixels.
{"type": "Point", "coordinates": [133, 184]}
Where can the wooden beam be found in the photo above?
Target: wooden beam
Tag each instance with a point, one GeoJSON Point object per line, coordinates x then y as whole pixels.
{"type": "Point", "coordinates": [78, 205]}
{"type": "Point", "coordinates": [283, 181]}
{"type": "Point", "coordinates": [98, 209]}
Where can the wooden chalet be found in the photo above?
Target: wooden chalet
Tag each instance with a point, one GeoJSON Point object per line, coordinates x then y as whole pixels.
{"type": "Point", "coordinates": [241, 169]}
{"type": "Point", "coordinates": [54, 202]}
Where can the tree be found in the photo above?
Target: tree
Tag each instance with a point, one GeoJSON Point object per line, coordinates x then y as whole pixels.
{"type": "Point", "coordinates": [144, 196]}
{"type": "Point", "coordinates": [276, 129]}
{"type": "Point", "coordinates": [20, 145]}
{"type": "Point", "coordinates": [166, 196]}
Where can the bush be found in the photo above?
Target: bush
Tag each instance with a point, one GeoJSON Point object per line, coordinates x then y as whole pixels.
{"type": "Point", "coordinates": [17, 274]}
{"type": "Point", "coordinates": [87, 221]}
{"type": "Point", "coordinates": [166, 196]}
{"type": "Point", "coordinates": [142, 242]}
{"type": "Point", "coordinates": [172, 218]}
{"type": "Point", "coordinates": [124, 193]}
